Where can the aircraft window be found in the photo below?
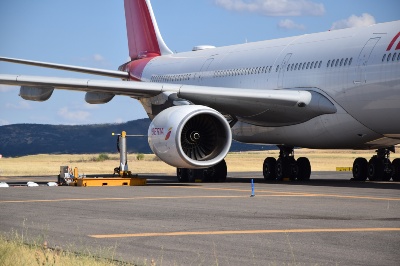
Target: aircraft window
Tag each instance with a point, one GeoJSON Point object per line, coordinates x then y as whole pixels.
{"type": "Point", "coordinates": [270, 68]}
{"type": "Point", "coordinates": [398, 57]}
{"type": "Point", "coordinates": [351, 60]}
{"type": "Point", "coordinates": [277, 68]}
{"type": "Point", "coordinates": [291, 69]}
{"type": "Point", "coordinates": [259, 70]}
{"type": "Point", "coordinates": [304, 66]}
{"type": "Point", "coordinates": [345, 62]}
{"type": "Point", "coordinates": [389, 56]}
{"type": "Point", "coordinates": [333, 63]}
{"type": "Point", "coordinates": [384, 57]}
{"type": "Point", "coordinates": [341, 62]}
{"type": "Point", "coordinates": [312, 65]}
{"type": "Point", "coordinates": [287, 69]}
{"type": "Point", "coordinates": [308, 64]}
{"type": "Point", "coordinates": [337, 63]}
{"type": "Point", "coordinates": [394, 56]}
{"type": "Point", "coordinates": [329, 62]}
{"type": "Point", "coordinates": [300, 65]}
{"type": "Point", "coordinates": [320, 63]}
{"type": "Point", "coordinates": [295, 67]}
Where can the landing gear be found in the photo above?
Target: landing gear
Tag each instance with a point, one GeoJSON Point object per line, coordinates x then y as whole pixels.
{"type": "Point", "coordinates": [379, 167]}
{"type": "Point", "coordinates": [216, 173]}
{"type": "Point", "coordinates": [360, 168]}
{"type": "Point", "coordinates": [286, 166]}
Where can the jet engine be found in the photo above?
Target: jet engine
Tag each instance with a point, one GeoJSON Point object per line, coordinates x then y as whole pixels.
{"type": "Point", "coordinates": [190, 136]}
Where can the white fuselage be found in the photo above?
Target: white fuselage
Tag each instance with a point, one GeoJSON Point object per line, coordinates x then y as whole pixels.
{"type": "Point", "coordinates": [357, 69]}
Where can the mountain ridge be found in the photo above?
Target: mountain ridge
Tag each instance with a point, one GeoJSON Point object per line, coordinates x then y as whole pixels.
{"type": "Point", "coordinates": [31, 139]}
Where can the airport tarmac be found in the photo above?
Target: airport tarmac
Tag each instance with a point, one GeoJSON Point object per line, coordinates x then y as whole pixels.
{"type": "Point", "coordinates": [327, 221]}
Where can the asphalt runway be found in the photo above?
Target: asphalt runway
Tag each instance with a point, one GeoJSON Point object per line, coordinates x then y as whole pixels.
{"type": "Point", "coordinates": [327, 221]}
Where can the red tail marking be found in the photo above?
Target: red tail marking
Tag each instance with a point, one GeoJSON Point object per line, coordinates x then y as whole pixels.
{"type": "Point", "coordinates": [393, 41]}
{"type": "Point", "coordinates": [142, 38]}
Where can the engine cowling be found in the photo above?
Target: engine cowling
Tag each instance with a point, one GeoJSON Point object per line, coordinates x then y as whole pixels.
{"type": "Point", "coordinates": [190, 136]}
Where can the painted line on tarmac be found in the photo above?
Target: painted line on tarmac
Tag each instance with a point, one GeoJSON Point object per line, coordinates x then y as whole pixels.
{"type": "Point", "coordinates": [275, 194]}
{"type": "Point", "coordinates": [243, 232]}
{"type": "Point", "coordinates": [291, 194]}
{"type": "Point", "coordinates": [107, 199]}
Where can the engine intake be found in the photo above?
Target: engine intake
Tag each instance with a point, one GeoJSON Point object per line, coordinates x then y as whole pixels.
{"type": "Point", "coordinates": [190, 136]}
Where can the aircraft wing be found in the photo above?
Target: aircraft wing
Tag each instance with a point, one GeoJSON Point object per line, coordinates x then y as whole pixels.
{"type": "Point", "coordinates": [271, 107]}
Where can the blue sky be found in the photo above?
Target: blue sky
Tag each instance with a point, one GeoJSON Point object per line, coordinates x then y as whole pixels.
{"type": "Point", "coordinates": [92, 33]}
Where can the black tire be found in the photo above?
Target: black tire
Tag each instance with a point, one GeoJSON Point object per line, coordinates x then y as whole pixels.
{"type": "Point", "coordinates": [387, 170]}
{"type": "Point", "coordinates": [396, 170]}
{"type": "Point", "coordinates": [269, 169]}
{"type": "Point", "coordinates": [216, 173]}
{"type": "Point", "coordinates": [375, 169]}
{"type": "Point", "coordinates": [304, 169]}
{"type": "Point", "coordinates": [360, 169]}
{"type": "Point", "coordinates": [182, 174]}
{"type": "Point", "coordinates": [283, 169]}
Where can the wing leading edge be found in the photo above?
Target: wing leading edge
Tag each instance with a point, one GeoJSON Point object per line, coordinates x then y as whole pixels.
{"type": "Point", "coordinates": [261, 107]}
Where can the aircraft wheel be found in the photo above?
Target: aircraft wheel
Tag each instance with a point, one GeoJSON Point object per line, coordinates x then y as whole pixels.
{"type": "Point", "coordinates": [269, 169]}
{"type": "Point", "coordinates": [360, 169]}
{"type": "Point", "coordinates": [387, 175]}
{"type": "Point", "coordinates": [304, 169]}
{"type": "Point", "coordinates": [396, 170]}
{"type": "Point", "coordinates": [283, 169]}
{"type": "Point", "coordinates": [182, 174]}
{"type": "Point", "coordinates": [216, 173]}
{"type": "Point", "coordinates": [375, 169]}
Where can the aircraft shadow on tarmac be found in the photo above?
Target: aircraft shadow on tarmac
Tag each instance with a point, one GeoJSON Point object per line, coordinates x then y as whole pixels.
{"type": "Point", "coordinates": [321, 179]}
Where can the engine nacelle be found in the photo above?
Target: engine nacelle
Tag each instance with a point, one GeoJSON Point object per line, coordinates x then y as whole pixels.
{"type": "Point", "coordinates": [190, 136]}
{"type": "Point", "coordinates": [39, 94]}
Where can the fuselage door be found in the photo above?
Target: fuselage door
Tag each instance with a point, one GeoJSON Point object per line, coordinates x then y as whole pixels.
{"type": "Point", "coordinates": [282, 69]}
{"type": "Point", "coordinates": [363, 59]}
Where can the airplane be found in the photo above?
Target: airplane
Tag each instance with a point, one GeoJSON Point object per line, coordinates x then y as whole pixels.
{"type": "Point", "coordinates": [331, 90]}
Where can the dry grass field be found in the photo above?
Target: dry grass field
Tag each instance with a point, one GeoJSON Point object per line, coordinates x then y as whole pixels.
{"type": "Point", "coordinates": [37, 165]}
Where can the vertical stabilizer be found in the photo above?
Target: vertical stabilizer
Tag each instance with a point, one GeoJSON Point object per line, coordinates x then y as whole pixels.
{"type": "Point", "coordinates": [144, 38]}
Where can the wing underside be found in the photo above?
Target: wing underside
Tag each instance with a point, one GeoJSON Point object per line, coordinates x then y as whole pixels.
{"type": "Point", "coordinates": [262, 107]}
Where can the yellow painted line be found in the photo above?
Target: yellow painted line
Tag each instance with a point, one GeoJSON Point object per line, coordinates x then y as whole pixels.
{"type": "Point", "coordinates": [241, 232]}
{"type": "Point", "coordinates": [290, 194]}
{"type": "Point", "coordinates": [275, 194]}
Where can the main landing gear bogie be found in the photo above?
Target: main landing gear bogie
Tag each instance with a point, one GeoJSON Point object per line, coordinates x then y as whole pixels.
{"type": "Point", "coordinates": [286, 166]}
{"type": "Point", "coordinates": [378, 168]}
{"type": "Point", "coordinates": [216, 173]}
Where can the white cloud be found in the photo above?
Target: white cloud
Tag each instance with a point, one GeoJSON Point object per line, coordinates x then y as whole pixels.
{"type": "Point", "coordinates": [98, 58]}
{"type": "Point", "coordinates": [20, 105]}
{"type": "Point", "coordinates": [288, 24]}
{"type": "Point", "coordinates": [354, 21]}
{"type": "Point", "coordinates": [119, 120]}
{"type": "Point", "coordinates": [6, 88]}
{"type": "Point", "coordinates": [274, 7]}
{"type": "Point", "coordinates": [77, 115]}
{"type": "Point", "coordinates": [4, 122]}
